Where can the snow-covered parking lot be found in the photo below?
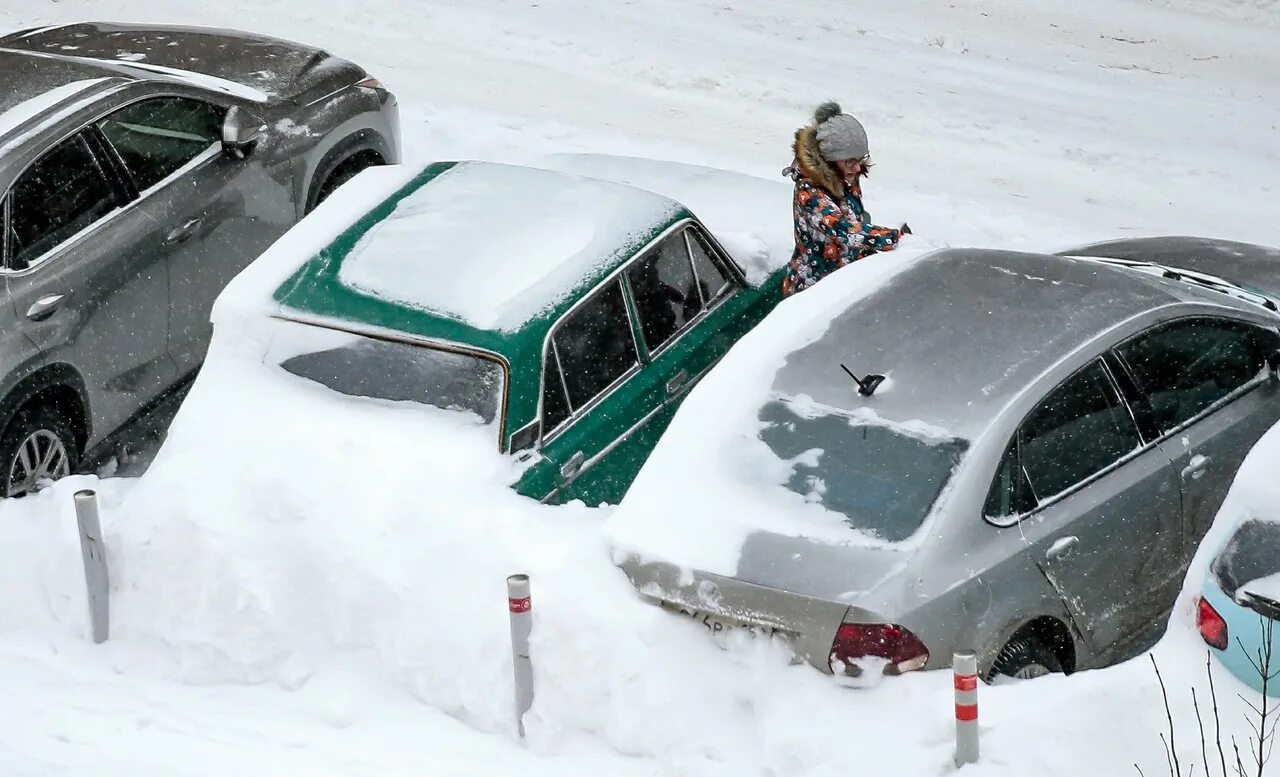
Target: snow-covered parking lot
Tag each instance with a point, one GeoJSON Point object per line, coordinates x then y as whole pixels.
{"type": "Point", "coordinates": [293, 595]}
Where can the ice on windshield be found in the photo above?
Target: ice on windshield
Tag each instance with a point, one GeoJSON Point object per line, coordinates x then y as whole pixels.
{"type": "Point", "coordinates": [882, 477]}
{"type": "Point", "coordinates": [390, 370]}
{"type": "Point", "coordinates": [495, 245]}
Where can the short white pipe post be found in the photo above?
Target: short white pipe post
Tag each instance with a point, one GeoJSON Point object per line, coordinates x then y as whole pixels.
{"type": "Point", "coordinates": [521, 610]}
{"type": "Point", "coordinates": [93, 551]}
{"type": "Point", "coordinates": [965, 665]}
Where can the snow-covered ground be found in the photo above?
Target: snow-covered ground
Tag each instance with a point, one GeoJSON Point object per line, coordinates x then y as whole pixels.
{"type": "Point", "coordinates": [292, 595]}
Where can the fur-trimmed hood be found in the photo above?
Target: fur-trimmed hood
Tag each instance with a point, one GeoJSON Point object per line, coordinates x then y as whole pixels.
{"type": "Point", "coordinates": [812, 165]}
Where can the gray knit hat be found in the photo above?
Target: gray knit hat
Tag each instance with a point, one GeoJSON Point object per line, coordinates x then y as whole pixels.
{"type": "Point", "coordinates": [840, 136]}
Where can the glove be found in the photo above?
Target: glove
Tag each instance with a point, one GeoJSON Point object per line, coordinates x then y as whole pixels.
{"type": "Point", "coordinates": [905, 229]}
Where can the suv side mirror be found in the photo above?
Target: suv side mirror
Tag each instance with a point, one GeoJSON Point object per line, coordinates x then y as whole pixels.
{"type": "Point", "coordinates": [241, 131]}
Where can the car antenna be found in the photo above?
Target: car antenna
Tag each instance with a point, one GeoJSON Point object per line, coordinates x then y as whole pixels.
{"type": "Point", "coordinates": [866, 386]}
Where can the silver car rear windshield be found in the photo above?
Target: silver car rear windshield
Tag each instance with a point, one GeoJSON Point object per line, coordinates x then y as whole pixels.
{"type": "Point", "coordinates": [882, 478]}
{"type": "Point", "coordinates": [390, 370]}
{"type": "Point", "coordinates": [1252, 553]}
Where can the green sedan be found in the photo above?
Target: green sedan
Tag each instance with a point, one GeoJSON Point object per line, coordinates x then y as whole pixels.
{"type": "Point", "coordinates": [569, 314]}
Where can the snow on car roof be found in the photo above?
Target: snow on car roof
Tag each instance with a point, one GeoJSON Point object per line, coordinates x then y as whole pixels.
{"type": "Point", "coordinates": [22, 111]}
{"type": "Point", "coordinates": [495, 245]}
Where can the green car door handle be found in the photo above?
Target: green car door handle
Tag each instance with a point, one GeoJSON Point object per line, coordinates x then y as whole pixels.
{"type": "Point", "coordinates": [573, 466]}
{"type": "Point", "coordinates": [677, 381]}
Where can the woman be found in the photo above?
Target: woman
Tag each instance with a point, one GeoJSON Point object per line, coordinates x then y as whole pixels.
{"type": "Point", "coordinates": [832, 228]}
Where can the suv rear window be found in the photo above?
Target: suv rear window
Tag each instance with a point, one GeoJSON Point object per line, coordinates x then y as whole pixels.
{"type": "Point", "coordinates": [884, 479]}
{"type": "Point", "coordinates": [395, 371]}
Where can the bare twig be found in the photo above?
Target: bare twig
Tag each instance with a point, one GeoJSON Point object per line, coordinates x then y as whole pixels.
{"type": "Point", "coordinates": [1175, 767]}
{"type": "Point", "coordinates": [1264, 659]}
{"type": "Point", "coordinates": [1204, 748]}
{"type": "Point", "coordinates": [1239, 763]}
{"type": "Point", "coordinates": [1217, 720]}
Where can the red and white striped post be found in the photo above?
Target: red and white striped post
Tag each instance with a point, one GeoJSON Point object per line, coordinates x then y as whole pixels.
{"type": "Point", "coordinates": [520, 607]}
{"type": "Point", "coordinates": [965, 665]}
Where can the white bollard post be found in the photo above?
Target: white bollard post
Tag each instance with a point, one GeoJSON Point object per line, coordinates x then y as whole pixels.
{"type": "Point", "coordinates": [965, 665]}
{"type": "Point", "coordinates": [521, 609]}
{"type": "Point", "coordinates": [93, 551]}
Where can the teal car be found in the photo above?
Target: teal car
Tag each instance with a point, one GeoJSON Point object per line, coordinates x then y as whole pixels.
{"type": "Point", "coordinates": [570, 315]}
{"type": "Point", "coordinates": [1238, 612]}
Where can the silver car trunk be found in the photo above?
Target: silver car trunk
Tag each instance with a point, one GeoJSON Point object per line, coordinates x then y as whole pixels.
{"type": "Point", "coordinates": [808, 623]}
{"type": "Point", "coordinates": [840, 573]}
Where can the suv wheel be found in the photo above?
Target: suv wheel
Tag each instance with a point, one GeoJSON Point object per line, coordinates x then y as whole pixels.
{"type": "Point", "coordinates": [39, 444]}
{"type": "Point", "coordinates": [348, 169]}
{"type": "Point", "coordinates": [1025, 658]}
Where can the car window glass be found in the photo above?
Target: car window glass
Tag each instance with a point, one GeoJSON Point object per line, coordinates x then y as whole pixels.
{"type": "Point", "coordinates": [595, 346]}
{"type": "Point", "coordinates": [399, 372]}
{"type": "Point", "coordinates": [1080, 429]}
{"type": "Point", "coordinates": [555, 408]}
{"type": "Point", "coordinates": [883, 479]}
{"type": "Point", "coordinates": [1010, 493]}
{"type": "Point", "coordinates": [1252, 553]}
{"type": "Point", "coordinates": [665, 291]}
{"type": "Point", "coordinates": [64, 192]}
{"type": "Point", "coordinates": [1185, 367]}
{"type": "Point", "coordinates": [156, 137]}
{"type": "Point", "coordinates": [712, 280]}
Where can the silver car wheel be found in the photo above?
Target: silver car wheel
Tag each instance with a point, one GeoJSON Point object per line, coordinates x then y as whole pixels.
{"type": "Point", "coordinates": [1031, 672]}
{"type": "Point", "coordinates": [42, 456]}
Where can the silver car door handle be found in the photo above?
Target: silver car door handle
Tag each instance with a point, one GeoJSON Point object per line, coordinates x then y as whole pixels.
{"type": "Point", "coordinates": [1196, 467]}
{"type": "Point", "coordinates": [183, 233]}
{"type": "Point", "coordinates": [45, 306]}
{"type": "Point", "coordinates": [573, 466]}
{"type": "Point", "coordinates": [1062, 548]}
{"type": "Point", "coordinates": [677, 381]}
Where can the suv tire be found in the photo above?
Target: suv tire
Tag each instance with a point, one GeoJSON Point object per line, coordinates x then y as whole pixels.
{"type": "Point", "coordinates": [39, 443]}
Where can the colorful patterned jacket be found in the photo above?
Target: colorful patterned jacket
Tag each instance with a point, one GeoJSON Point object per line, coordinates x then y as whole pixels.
{"type": "Point", "coordinates": [832, 228]}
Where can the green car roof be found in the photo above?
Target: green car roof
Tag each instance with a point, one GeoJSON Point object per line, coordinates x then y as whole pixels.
{"type": "Point", "coordinates": [483, 255]}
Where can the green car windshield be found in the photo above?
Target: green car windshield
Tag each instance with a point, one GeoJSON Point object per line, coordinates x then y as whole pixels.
{"type": "Point", "coordinates": [392, 370]}
{"type": "Point", "coordinates": [882, 479]}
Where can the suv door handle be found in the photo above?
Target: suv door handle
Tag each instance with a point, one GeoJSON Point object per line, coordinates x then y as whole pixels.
{"type": "Point", "coordinates": [1062, 548]}
{"type": "Point", "coordinates": [45, 306]}
{"type": "Point", "coordinates": [183, 233]}
{"type": "Point", "coordinates": [573, 466]}
{"type": "Point", "coordinates": [677, 381]}
{"type": "Point", "coordinates": [1196, 467]}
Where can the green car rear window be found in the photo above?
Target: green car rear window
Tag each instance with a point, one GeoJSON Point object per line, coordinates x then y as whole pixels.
{"type": "Point", "coordinates": [882, 479]}
{"type": "Point", "coordinates": [390, 370]}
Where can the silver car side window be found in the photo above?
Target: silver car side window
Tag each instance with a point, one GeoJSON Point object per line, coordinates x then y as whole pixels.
{"type": "Point", "coordinates": [1080, 429]}
{"type": "Point", "coordinates": [1184, 367]}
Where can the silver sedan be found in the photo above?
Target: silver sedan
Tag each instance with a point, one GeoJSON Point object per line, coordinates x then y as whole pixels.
{"type": "Point", "coordinates": [1030, 481]}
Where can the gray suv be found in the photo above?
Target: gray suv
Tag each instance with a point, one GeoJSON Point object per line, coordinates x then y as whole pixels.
{"type": "Point", "coordinates": [140, 170]}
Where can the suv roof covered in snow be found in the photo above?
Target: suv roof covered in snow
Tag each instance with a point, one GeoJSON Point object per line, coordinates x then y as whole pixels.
{"type": "Point", "coordinates": [250, 67]}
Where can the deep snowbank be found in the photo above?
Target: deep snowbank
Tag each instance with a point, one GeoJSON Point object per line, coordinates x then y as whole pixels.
{"type": "Point", "coordinates": [347, 552]}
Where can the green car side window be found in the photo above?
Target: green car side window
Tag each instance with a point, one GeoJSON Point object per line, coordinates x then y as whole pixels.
{"type": "Point", "coordinates": [590, 350]}
{"type": "Point", "coordinates": [673, 285]}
